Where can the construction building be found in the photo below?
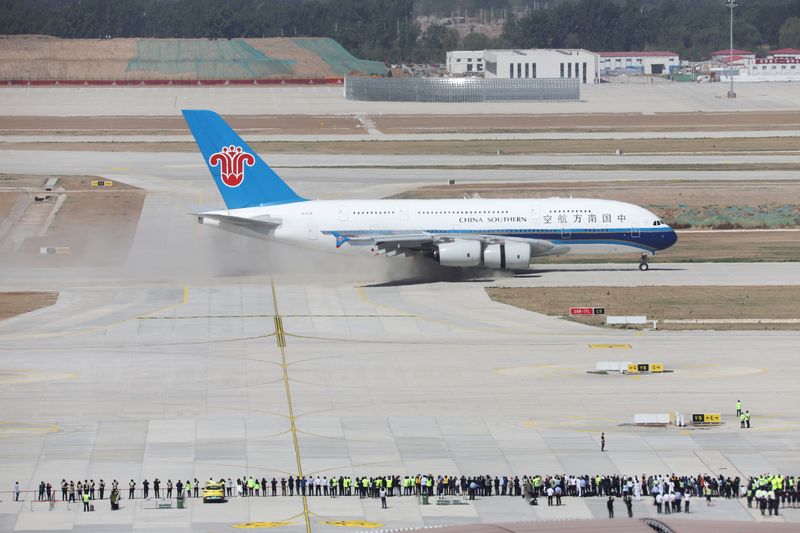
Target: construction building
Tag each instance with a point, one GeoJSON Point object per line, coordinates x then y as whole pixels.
{"type": "Point", "coordinates": [655, 62]}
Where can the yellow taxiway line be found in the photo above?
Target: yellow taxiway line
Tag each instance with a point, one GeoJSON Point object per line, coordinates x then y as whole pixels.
{"type": "Point", "coordinates": [280, 336]}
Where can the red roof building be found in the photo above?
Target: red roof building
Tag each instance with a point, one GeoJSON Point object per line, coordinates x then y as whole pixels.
{"type": "Point", "coordinates": [723, 56]}
{"type": "Point", "coordinates": [785, 52]}
{"type": "Point", "coordinates": [638, 54]}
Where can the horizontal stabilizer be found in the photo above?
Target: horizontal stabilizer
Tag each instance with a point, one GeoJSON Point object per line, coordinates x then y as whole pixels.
{"type": "Point", "coordinates": [261, 227]}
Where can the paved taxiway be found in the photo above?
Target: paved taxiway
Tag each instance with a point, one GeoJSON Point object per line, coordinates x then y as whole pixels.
{"type": "Point", "coordinates": [141, 380]}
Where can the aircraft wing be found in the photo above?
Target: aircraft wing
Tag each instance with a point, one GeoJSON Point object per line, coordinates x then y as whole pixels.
{"type": "Point", "coordinates": [413, 243]}
{"type": "Point", "coordinates": [261, 226]}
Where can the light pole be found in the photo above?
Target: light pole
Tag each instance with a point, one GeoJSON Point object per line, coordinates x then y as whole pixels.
{"type": "Point", "coordinates": [731, 4]}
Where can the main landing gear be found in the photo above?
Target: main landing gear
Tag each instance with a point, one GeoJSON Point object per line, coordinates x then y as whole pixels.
{"type": "Point", "coordinates": [643, 263]}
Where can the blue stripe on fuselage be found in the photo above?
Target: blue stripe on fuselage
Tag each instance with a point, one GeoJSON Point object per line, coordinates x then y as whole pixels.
{"type": "Point", "coordinates": [651, 239]}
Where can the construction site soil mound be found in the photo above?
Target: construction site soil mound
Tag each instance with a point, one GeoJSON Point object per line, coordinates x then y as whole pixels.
{"type": "Point", "coordinates": [49, 58]}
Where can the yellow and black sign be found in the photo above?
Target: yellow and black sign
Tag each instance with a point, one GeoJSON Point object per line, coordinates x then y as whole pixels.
{"type": "Point", "coordinates": [261, 525]}
{"type": "Point", "coordinates": [102, 183]}
{"type": "Point", "coordinates": [353, 523]}
{"type": "Point", "coordinates": [637, 368]}
{"type": "Point", "coordinates": [706, 418]}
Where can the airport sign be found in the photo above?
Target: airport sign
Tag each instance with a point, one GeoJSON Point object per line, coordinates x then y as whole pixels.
{"type": "Point", "coordinates": [587, 310]}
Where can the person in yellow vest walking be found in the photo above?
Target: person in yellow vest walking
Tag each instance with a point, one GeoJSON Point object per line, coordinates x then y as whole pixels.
{"type": "Point", "coordinates": [86, 502]}
{"type": "Point", "coordinates": [738, 408]}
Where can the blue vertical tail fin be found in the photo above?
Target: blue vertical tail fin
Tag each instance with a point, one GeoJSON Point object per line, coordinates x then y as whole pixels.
{"type": "Point", "coordinates": [243, 178]}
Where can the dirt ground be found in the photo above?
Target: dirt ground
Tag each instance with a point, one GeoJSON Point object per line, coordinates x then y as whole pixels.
{"type": "Point", "coordinates": [265, 124]}
{"type": "Point", "coordinates": [16, 303]}
{"type": "Point", "coordinates": [322, 124]}
{"type": "Point", "coordinates": [96, 224]}
{"type": "Point", "coordinates": [7, 202]}
{"type": "Point", "coordinates": [369, 146]}
{"type": "Point", "coordinates": [761, 120]}
{"type": "Point", "coordinates": [662, 303]}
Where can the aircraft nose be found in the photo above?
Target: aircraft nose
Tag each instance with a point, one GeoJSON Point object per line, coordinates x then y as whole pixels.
{"type": "Point", "coordinates": [670, 238]}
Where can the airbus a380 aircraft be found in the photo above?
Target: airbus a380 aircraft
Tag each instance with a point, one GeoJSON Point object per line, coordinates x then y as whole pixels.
{"type": "Point", "coordinates": [497, 234]}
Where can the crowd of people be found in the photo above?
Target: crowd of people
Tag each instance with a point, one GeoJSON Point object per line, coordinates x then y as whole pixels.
{"type": "Point", "coordinates": [670, 493]}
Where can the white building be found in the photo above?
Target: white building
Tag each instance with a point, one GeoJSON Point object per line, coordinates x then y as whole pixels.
{"type": "Point", "coordinates": [779, 65]}
{"type": "Point", "coordinates": [542, 63]}
{"type": "Point", "coordinates": [773, 68]}
{"type": "Point", "coordinates": [656, 62]}
{"type": "Point", "coordinates": [465, 62]}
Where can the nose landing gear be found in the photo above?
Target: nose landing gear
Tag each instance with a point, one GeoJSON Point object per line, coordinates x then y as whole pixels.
{"type": "Point", "coordinates": [643, 263]}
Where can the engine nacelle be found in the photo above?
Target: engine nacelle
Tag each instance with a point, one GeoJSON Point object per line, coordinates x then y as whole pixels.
{"type": "Point", "coordinates": [459, 253]}
{"type": "Point", "coordinates": [508, 255]}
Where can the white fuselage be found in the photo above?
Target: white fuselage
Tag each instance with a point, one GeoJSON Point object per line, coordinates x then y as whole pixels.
{"type": "Point", "coordinates": [578, 226]}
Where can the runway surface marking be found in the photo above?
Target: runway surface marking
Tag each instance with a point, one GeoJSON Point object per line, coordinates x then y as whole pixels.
{"type": "Point", "coordinates": [353, 523]}
{"type": "Point", "coordinates": [281, 340]}
{"type": "Point", "coordinates": [611, 346]}
{"type": "Point", "coordinates": [262, 525]}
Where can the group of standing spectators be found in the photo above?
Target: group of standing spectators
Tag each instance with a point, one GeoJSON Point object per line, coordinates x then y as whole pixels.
{"type": "Point", "coordinates": [670, 493]}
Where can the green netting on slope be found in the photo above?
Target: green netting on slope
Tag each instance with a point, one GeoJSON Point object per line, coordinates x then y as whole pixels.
{"type": "Point", "coordinates": [224, 59]}
{"type": "Point", "coordinates": [340, 60]}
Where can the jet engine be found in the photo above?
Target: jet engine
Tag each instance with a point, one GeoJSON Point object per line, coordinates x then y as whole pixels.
{"type": "Point", "coordinates": [509, 255]}
{"type": "Point", "coordinates": [459, 253]}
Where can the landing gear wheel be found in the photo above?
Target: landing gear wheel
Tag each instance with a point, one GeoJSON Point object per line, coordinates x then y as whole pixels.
{"type": "Point", "coordinates": [643, 263]}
